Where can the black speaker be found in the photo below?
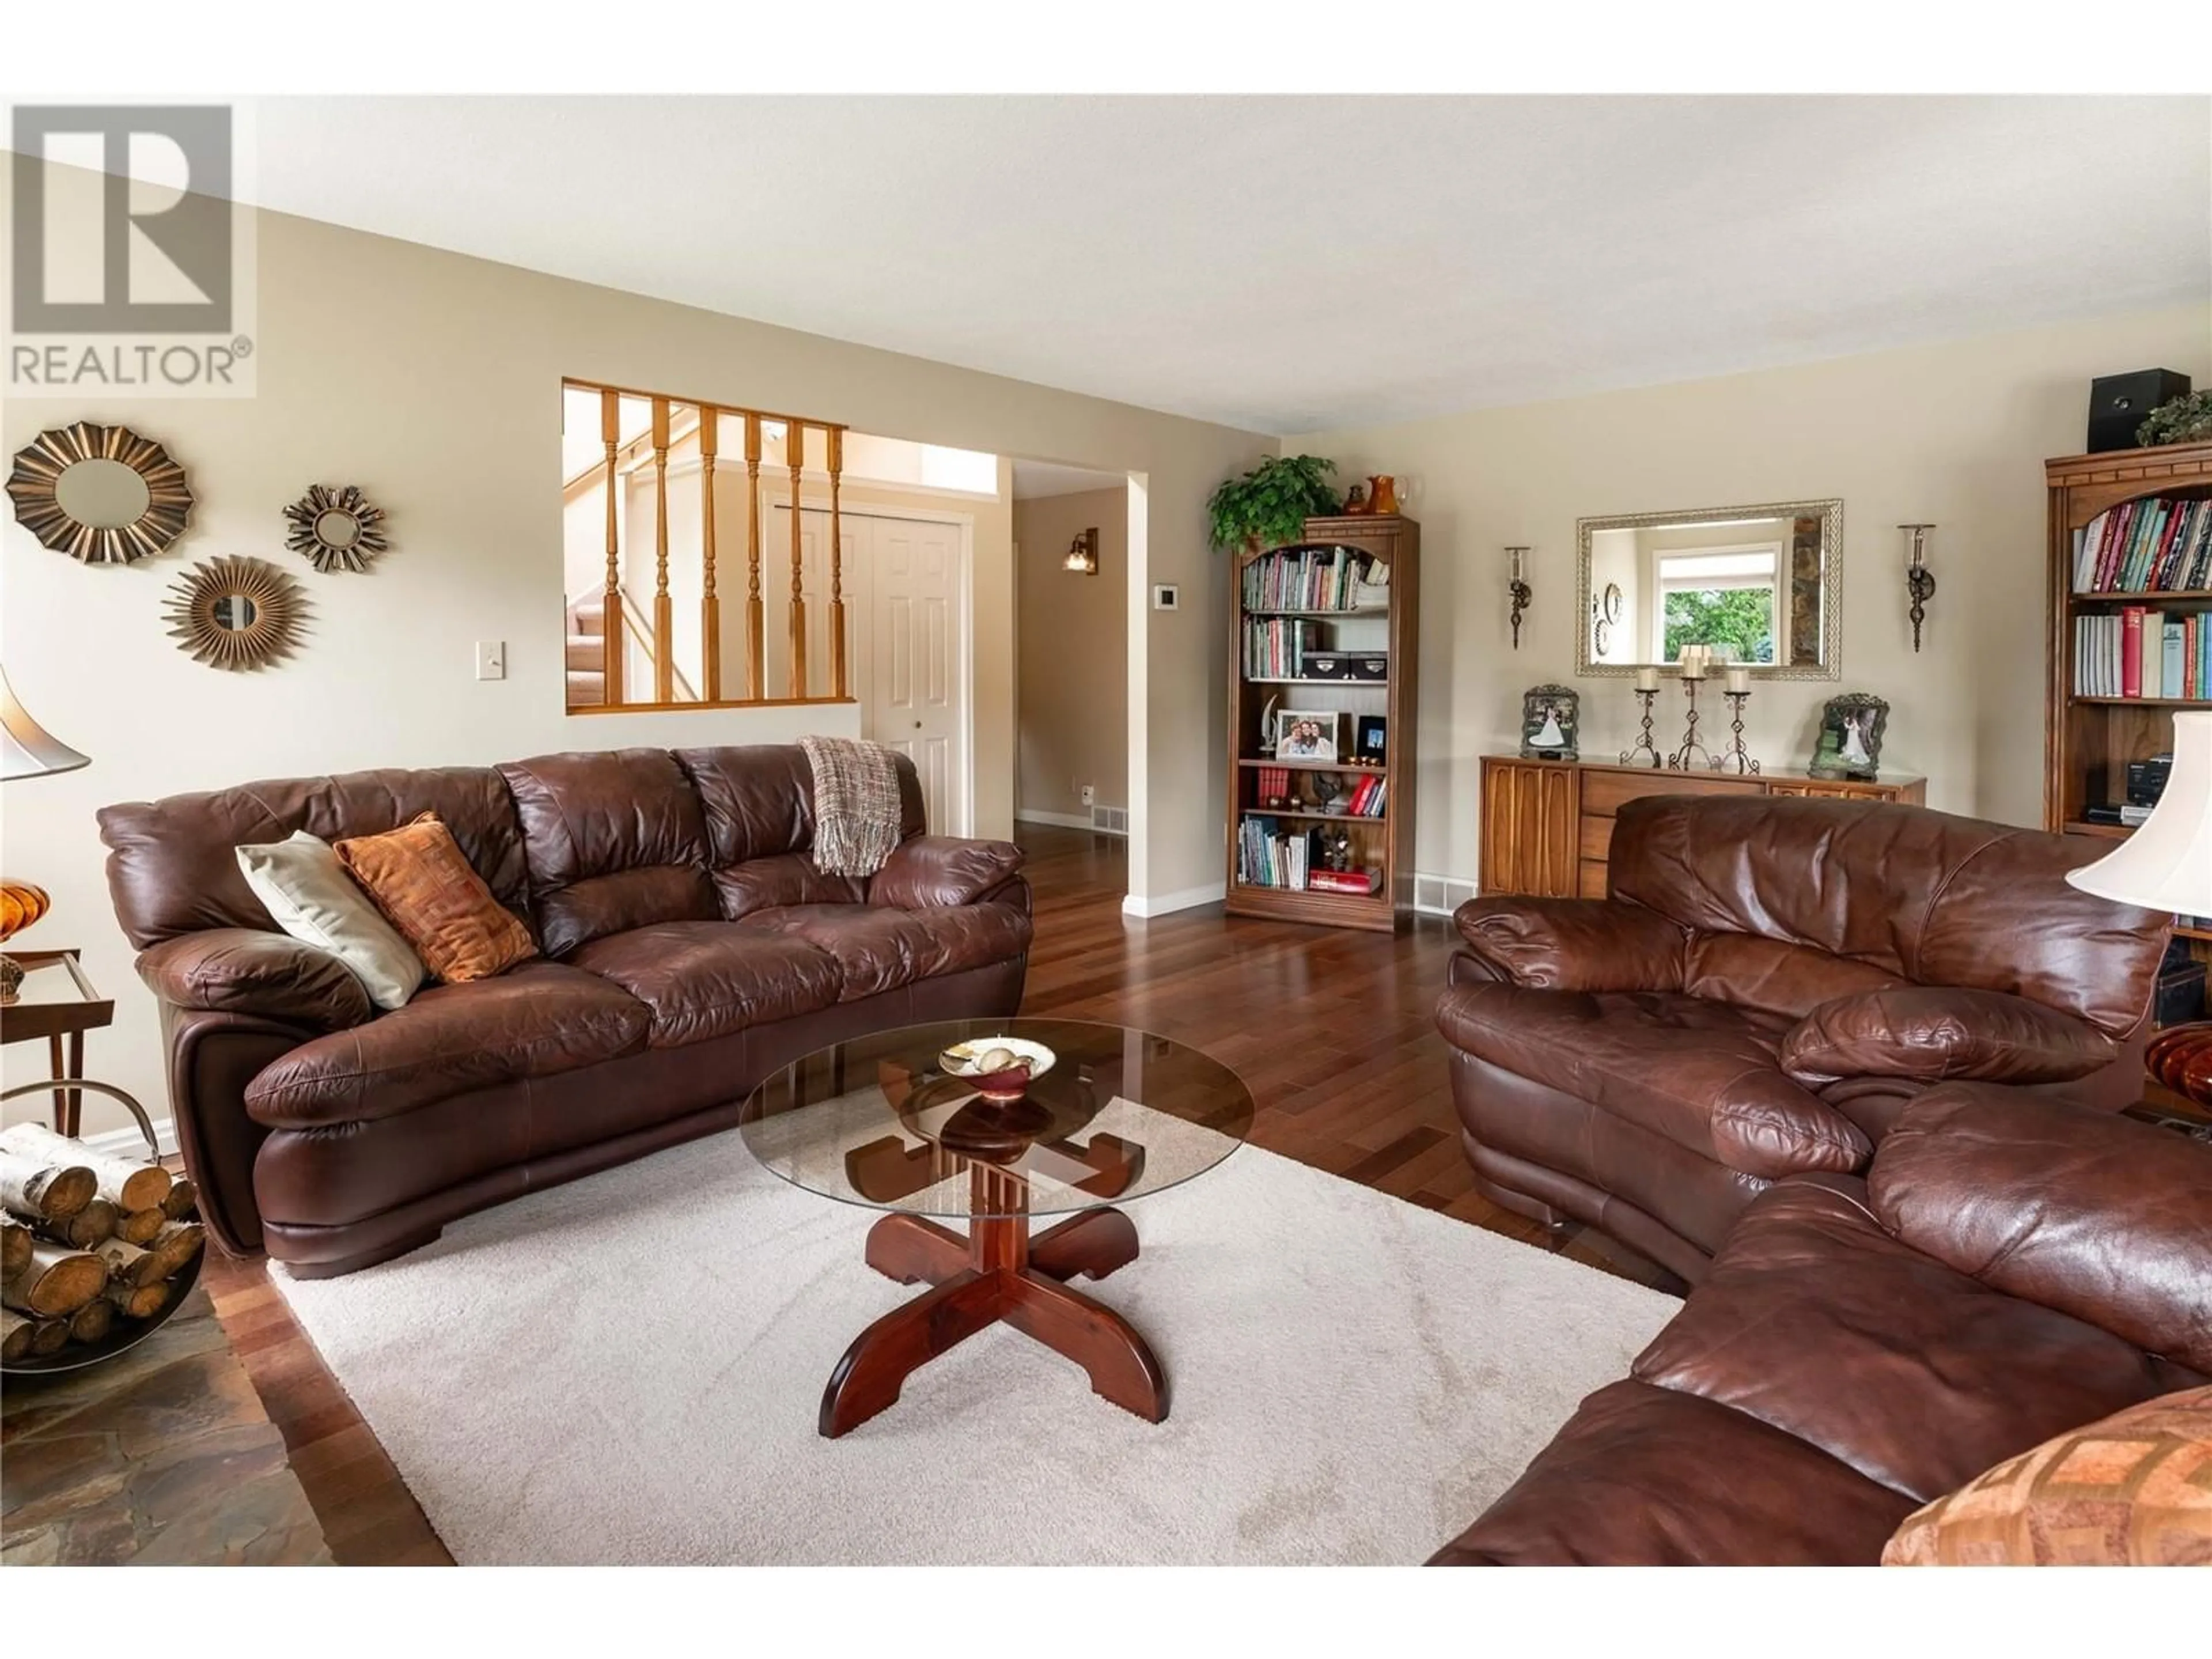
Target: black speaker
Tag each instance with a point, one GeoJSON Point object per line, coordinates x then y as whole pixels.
{"type": "Point", "coordinates": [2120, 402]}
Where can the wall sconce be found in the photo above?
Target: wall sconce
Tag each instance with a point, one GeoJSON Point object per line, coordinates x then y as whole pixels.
{"type": "Point", "coordinates": [1083, 554]}
{"type": "Point", "coordinates": [1517, 588]}
{"type": "Point", "coordinates": [1919, 579]}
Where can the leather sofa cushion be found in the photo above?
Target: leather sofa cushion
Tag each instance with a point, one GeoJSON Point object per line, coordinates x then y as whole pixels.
{"type": "Point", "coordinates": [422, 883]}
{"type": "Point", "coordinates": [1703, 1075]}
{"type": "Point", "coordinates": [758, 799]}
{"type": "Point", "coordinates": [2096, 1216]}
{"type": "Point", "coordinates": [880, 948]}
{"type": "Point", "coordinates": [1573, 944]}
{"type": "Point", "coordinates": [1932, 897]}
{"type": "Point", "coordinates": [1773, 976]}
{"type": "Point", "coordinates": [708, 979]}
{"type": "Point", "coordinates": [616, 840]}
{"type": "Point", "coordinates": [1642, 1476]}
{"type": "Point", "coordinates": [250, 970]}
{"type": "Point", "coordinates": [1930, 1032]}
{"type": "Point", "coordinates": [173, 867]}
{"type": "Point", "coordinates": [535, 1020]}
{"type": "Point", "coordinates": [1814, 1319]}
{"type": "Point", "coordinates": [927, 872]}
{"type": "Point", "coordinates": [785, 879]}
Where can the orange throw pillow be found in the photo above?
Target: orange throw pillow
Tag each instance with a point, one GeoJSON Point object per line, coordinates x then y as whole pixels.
{"type": "Point", "coordinates": [422, 882]}
{"type": "Point", "coordinates": [2132, 1490]}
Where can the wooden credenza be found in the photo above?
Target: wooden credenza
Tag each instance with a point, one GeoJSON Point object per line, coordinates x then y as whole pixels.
{"type": "Point", "coordinates": [1547, 825]}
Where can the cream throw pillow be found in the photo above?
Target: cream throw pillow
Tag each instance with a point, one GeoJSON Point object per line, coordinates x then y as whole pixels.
{"type": "Point", "coordinates": [312, 898]}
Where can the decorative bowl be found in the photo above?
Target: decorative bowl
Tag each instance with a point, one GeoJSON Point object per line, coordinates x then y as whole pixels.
{"type": "Point", "coordinates": [963, 1061]}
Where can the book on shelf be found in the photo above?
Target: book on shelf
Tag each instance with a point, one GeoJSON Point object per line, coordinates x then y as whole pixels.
{"type": "Point", "coordinates": [1276, 648]}
{"type": "Point", "coordinates": [1315, 579]}
{"type": "Point", "coordinates": [1269, 856]}
{"type": "Point", "coordinates": [1360, 882]}
{"type": "Point", "coordinates": [2154, 544]}
{"type": "Point", "coordinates": [2135, 652]}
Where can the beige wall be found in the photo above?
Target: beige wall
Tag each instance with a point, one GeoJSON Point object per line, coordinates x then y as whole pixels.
{"type": "Point", "coordinates": [1072, 696]}
{"type": "Point", "coordinates": [1955, 433]}
{"type": "Point", "coordinates": [434, 381]}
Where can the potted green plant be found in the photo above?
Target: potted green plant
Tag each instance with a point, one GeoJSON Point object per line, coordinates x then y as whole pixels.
{"type": "Point", "coordinates": [2184, 420]}
{"type": "Point", "coordinates": [1270, 505]}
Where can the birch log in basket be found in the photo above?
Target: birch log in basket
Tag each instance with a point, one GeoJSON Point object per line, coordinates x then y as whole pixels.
{"type": "Point", "coordinates": [96, 1250]}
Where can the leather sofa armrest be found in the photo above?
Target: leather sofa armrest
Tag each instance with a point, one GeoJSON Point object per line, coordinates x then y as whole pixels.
{"type": "Point", "coordinates": [2097, 1216]}
{"type": "Point", "coordinates": [1932, 1032]}
{"type": "Point", "coordinates": [930, 872]}
{"type": "Point", "coordinates": [1574, 945]}
{"type": "Point", "coordinates": [249, 971]}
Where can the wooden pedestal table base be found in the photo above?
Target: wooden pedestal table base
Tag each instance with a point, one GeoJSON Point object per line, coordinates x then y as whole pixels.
{"type": "Point", "coordinates": [997, 1273]}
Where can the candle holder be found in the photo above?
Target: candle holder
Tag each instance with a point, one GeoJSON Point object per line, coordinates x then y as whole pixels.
{"type": "Point", "coordinates": [1643, 745]}
{"type": "Point", "coordinates": [1687, 757]}
{"type": "Point", "coordinates": [1735, 758]}
{"type": "Point", "coordinates": [1516, 587]}
{"type": "Point", "coordinates": [1919, 579]}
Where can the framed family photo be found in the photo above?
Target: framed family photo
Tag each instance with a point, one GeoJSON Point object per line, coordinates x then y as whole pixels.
{"type": "Point", "coordinates": [1307, 735]}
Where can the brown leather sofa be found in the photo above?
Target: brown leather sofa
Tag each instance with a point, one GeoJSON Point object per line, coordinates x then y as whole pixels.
{"type": "Point", "coordinates": [2011, 1267]}
{"type": "Point", "coordinates": [1770, 982]}
{"type": "Point", "coordinates": [690, 948]}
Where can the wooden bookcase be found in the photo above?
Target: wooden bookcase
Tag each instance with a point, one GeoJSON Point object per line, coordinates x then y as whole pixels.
{"type": "Point", "coordinates": [2089, 741]}
{"type": "Point", "coordinates": [1386, 843]}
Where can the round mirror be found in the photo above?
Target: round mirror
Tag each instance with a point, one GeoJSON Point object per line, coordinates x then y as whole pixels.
{"type": "Point", "coordinates": [337, 529]}
{"type": "Point", "coordinates": [102, 495]}
{"type": "Point", "coordinates": [234, 613]}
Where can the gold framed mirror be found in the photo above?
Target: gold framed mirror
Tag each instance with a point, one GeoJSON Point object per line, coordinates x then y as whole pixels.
{"type": "Point", "coordinates": [104, 495]}
{"type": "Point", "coordinates": [334, 529]}
{"type": "Point", "coordinates": [236, 613]}
{"type": "Point", "coordinates": [1762, 586]}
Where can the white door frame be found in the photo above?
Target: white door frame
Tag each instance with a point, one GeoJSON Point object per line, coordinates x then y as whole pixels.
{"type": "Point", "coordinates": [864, 624]}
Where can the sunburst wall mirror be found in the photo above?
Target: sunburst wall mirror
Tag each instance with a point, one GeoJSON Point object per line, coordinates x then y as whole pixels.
{"type": "Point", "coordinates": [334, 529]}
{"type": "Point", "coordinates": [101, 494]}
{"type": "Point", "coordinates": [235, 612]}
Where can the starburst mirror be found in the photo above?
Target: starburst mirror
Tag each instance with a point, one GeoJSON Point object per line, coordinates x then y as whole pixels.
{"type": "Point", "coordinates": [237, 613]}
{"type": "Point", "coordinates": [334, 529]}
{"type": "Point", "coordinates": [101, 494]}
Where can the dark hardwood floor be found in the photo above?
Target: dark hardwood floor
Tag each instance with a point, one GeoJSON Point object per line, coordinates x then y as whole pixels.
{"type": "Point", "coordinates": [1331, 1031]}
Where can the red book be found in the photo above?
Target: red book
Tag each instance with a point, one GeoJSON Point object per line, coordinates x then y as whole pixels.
{"type": "Point", "coordinates": [2131, 633]}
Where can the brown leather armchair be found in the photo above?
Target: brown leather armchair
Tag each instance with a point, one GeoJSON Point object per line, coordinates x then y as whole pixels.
{"type": "Point", "coordinates": [690, 945]}
{"type": "Point", "coordinates": [1768, 985]}
{"type": "Point", "coordinates": [2011, 1267]}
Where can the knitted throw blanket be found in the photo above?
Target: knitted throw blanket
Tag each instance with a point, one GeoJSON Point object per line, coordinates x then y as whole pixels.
{"type": "Point", "coordinates": [856, 805]}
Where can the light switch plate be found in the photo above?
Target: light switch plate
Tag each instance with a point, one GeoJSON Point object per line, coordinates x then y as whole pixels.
{"type": "Point", "coordinates": [491, 659]}
{"type": "Point", "coordinates": [1166, 597]}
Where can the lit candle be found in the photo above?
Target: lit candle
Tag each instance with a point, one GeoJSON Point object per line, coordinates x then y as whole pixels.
{"type": "Point", "coordinates": [1693, 662]}
{"type": "Point", "coordinates": [1647, 679]}
{"type": "Point", "coordinates": [1739, 682]}
{"type": "Point", "coordinates": [1519, 556]}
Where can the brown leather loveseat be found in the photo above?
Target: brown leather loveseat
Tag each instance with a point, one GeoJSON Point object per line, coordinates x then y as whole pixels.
{"type": "Point", "coordinates": [1769, 983]}
{"type": "Point", "coordinates": [690, 948]}
{"type": "Point", "coordinates": [2013, 1267]}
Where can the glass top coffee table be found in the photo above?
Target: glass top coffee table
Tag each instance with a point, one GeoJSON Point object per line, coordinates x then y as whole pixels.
{"type": "Point", "coordinates": [878, 1122]}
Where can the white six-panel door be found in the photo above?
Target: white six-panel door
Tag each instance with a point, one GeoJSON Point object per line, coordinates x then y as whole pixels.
{"type": "Point", "coordinates": [907, 612]}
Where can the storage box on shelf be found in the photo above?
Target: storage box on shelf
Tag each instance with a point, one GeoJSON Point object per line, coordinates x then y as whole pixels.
{"type": "Point", "coordinates": [2129, 551]}
{"type": "Point", "coordinates": [1328, 625]}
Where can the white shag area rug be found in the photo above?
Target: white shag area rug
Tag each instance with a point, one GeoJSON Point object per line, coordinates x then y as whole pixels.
{"type": "Point", "coordinates": [627, 1369]}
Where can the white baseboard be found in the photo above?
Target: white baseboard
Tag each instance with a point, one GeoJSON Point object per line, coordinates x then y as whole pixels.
{"type": "Point", "coordinates": [1161, 904]}
{"type": "Point", "coordinates": [1064, 820]}
{"type": "Point", "coordinates": [128, 1142]}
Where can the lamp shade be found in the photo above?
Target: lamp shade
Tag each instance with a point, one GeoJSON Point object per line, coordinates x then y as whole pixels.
{"type": "Point", "coordinates": [27, 748]}
{"type": "Point", "coordinates": [2166, 864]}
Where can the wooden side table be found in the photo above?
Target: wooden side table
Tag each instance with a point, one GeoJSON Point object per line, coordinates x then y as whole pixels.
{"type": "Point", "coordinates": [58, 1003]}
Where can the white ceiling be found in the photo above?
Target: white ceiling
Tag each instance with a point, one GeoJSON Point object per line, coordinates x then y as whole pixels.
{"type": "Point", "coordinates": [1290, 264]}
{"type": "Point", "coordinates": [1036, 478]}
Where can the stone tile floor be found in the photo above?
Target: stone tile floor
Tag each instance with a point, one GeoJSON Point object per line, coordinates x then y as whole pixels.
{"type": "Point", "coordinates": [164, 1457]}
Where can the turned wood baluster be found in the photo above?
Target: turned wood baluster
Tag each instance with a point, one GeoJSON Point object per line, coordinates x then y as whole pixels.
{"type": "Point", "coordinates": [755, 613]}
{"type": "Point", "coordinates": [710, 608]}
{"type": "Point", "coordinates": [794, 447]}
{"type": "Point", "coordinates": [837, 568]}
{"type": "Point", "coordinates": [664, 609]}
{"type": "Point", "coordinates": [611, 616]}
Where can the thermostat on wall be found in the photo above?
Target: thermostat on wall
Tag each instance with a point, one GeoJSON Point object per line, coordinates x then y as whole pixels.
{"type": "Point", "coordinates": [1164, 597]}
